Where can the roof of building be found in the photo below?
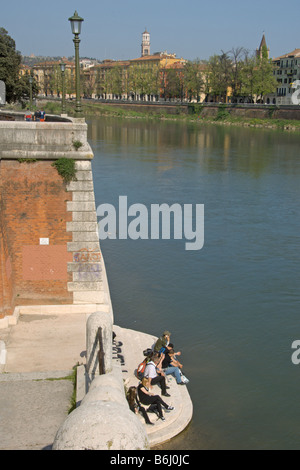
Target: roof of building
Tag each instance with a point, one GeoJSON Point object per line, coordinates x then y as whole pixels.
{"type": "Point", "coordinates": [294, 53]}
{"type": "Point", "coordinates": [112, 63]}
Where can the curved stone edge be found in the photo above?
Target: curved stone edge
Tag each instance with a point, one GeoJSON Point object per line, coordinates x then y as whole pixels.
{"type": "Point", "coordinates": [180, 424]}
{"type": "Point", "coordinates": [103, 421]}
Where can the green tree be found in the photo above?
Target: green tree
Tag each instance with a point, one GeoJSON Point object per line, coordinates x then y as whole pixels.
{"type": "Point", "coordinates": [265, 82]}
{"type": "Point", "coordinates": [143, 79]}
{"type": "Point", "coordinates": [236, 57]}
{"type": "Point", "coordinates": [193, 79]}
{"type": "Point", "coordinates": [22, 88]}
{"type": "Point", "coordinates": [248, 74]}
{"type": "Point", "coordinates": [10, 61]}
{"type": "Point", "coordinates": [219, 76]}
{"type": "Point", "coordinates": [173, 84]}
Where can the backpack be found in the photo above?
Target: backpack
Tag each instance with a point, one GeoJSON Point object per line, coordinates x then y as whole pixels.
{"type": "Point", "coordinates": [141, 369]}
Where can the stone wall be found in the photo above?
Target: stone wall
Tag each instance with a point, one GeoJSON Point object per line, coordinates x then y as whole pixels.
{"type": "Point", "coordinates": [253, 111]}
{"type": "Point", "coordinates": [49, 246]}
{"type": "Point", "coordinates": [210, 110]}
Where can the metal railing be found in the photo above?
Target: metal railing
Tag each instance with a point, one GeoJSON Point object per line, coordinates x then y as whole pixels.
{"type": "Point", "coordinates": [101, 352]}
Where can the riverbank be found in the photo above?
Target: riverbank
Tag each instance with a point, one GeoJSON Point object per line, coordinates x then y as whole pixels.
{"type": "Point", "coordinates": [39, 394]}
{"type": "Point", "coordinates": [197, 114]}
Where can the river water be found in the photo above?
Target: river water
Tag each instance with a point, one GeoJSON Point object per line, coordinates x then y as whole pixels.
{"type": "Point", "coordinates": [233, 306]}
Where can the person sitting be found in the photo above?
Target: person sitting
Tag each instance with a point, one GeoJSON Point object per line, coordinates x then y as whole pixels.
{"type": "Point", "coordinates": [134, 404]}
{"type": "Point", "coordinates": [162, 342]}
{"type": "Point", "coordinates": [178, 353]}
{"type": "Point", "coordinates": [148, 398]}
{"type": "Point", "coordinates": [155, 374]}
{"type": "Point", "coordinates": [171, 366]}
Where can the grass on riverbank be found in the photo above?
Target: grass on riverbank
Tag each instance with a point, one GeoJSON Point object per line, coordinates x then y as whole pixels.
{"type": "Point", "coordinates": [223, 117]}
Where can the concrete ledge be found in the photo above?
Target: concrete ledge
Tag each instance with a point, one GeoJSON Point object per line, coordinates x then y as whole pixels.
{"type": "Point", "coordinates": [44, 140]}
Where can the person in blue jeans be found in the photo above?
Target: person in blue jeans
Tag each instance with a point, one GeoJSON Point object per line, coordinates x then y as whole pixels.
{"type": "Point", "coordinates": [171, 366]}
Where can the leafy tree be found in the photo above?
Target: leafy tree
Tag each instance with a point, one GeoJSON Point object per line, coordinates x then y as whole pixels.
{"type": "Point", "coordinates": [236, 71]}
{"type": "Point", "coordinates": [193, 79]}
{"type": "Point", "coordinates": [220, 75]}
{"type": "Point", "coordinates": [143, 79]}
{"type": "Point", "coordinates": [10, 61]}
{"type": "Point", "coordinates": [22, 88]}
{"type": "Point", "coordinates": [265, 82]}
{"type": "Point", "coordinates": [248, 76]}
{"type": "Point", "coordinates": [112, 83]}
{"type": "Point", "coordinates": [172, 84]}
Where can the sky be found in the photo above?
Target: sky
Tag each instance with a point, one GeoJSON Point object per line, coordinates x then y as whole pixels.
{"type": "Point", "coordinates": [189, 28]}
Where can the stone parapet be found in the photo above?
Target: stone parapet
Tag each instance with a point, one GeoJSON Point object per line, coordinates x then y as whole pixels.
{"type": "Point", "coordinates": [44, 140]}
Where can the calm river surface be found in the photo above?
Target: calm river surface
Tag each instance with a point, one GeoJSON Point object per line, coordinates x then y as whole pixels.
{"type": "Point", "coordinates": [233, 306]}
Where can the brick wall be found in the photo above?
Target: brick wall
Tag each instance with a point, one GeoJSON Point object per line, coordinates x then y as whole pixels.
{"type": "Point", "coordinates": [49, 246]}
{"type": "Point", "coordinates": [33, 211]}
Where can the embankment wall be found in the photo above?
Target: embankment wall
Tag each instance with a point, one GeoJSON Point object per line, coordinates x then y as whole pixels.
{"type": "Point", "coordinates": [49, 245]}
{"type": "Point", "coordinates": [211, 110]}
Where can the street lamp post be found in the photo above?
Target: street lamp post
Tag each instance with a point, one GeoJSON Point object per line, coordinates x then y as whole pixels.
{"type": "Point", "coordinates": [76, 21]}
{"type": "Point", "coordinates": [30, 91]}
{"type": "Point", "coordinates": [63, 99]}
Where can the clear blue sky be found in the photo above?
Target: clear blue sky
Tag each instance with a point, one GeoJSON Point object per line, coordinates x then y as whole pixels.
{"type": "Point", "coordinates": [189, 28]}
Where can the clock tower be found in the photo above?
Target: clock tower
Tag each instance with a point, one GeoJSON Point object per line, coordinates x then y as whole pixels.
{"type": "Point", "coordinates": [145, 43]}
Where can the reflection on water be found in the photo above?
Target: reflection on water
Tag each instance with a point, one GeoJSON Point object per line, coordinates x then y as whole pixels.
{"type": "Point", "coordinates": [232, 307]}
{"type": "Point", "coordinates": [212, 146]}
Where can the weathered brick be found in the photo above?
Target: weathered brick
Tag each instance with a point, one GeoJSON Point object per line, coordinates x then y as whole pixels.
{"type": "Point", "coordinates": [33, 205]}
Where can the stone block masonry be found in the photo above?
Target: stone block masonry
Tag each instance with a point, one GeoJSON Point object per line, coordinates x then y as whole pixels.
{"type": "Point", "coordinates": [86, 266]}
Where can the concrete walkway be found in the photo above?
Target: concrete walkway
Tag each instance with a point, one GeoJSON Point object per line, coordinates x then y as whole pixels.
{"type": "Point", "coordinates": [35, 388]}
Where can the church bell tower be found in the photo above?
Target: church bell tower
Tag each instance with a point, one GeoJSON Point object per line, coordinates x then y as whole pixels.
{"type": "Point", "coordinates": [145, 43]}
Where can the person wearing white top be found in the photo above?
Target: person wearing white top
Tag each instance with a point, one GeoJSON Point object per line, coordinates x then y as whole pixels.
{"type": "Point", "coordinates": [156, 375]}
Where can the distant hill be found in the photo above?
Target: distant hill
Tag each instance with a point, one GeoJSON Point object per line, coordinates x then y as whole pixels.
{"type": "Point", "coordinates": [33, 60]}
